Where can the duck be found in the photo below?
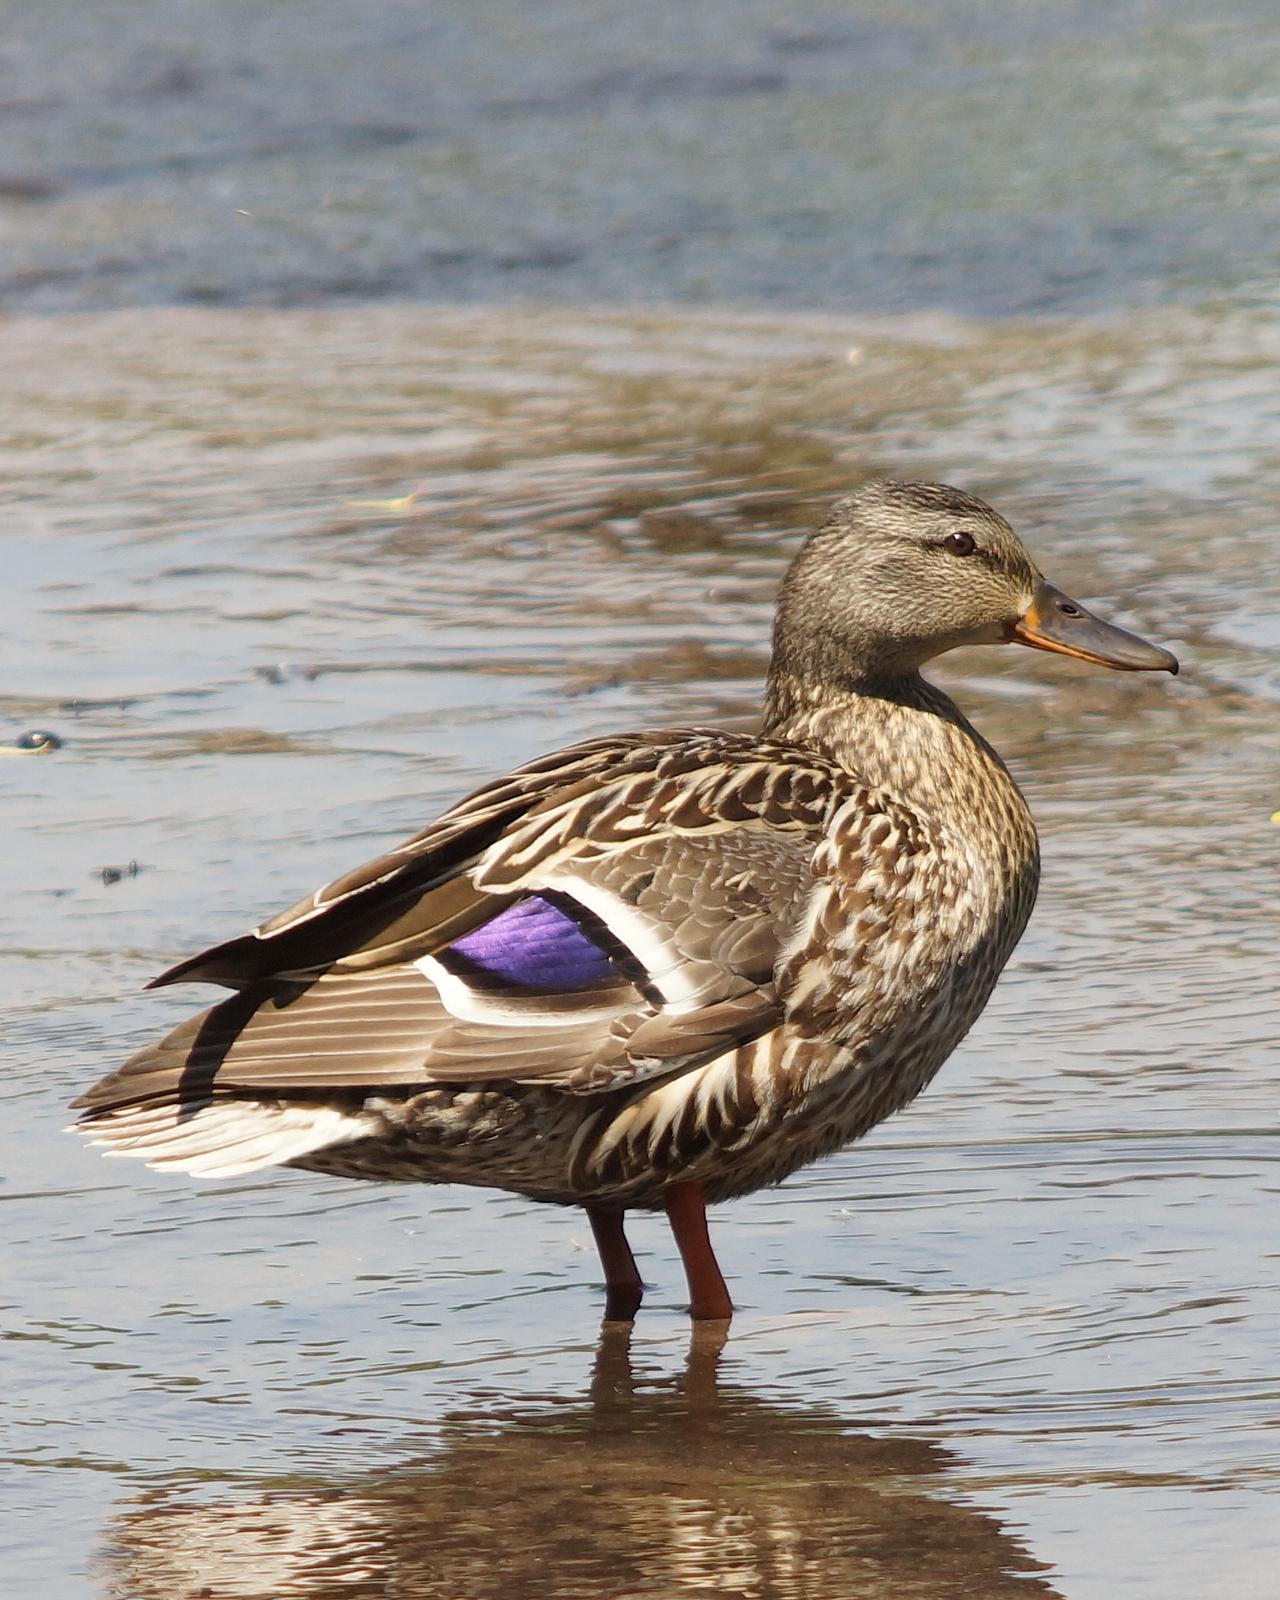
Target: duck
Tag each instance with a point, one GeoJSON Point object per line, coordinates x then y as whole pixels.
{"type": "Point", "coordinates": [663, 969]}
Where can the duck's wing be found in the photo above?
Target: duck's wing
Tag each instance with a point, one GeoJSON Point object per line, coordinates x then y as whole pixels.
{"type": "Point", "coordinates": [612, 913]}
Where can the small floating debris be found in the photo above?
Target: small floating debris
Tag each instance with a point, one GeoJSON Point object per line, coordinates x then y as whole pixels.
{"type": "Point", "coordinates": [114, 874]}
{"type": "Point", "coordinates": [84, 703]}
{"type": "Point", "coordinates": [35, 742]}
{"type": "Point", "coordinates": [404, 502]}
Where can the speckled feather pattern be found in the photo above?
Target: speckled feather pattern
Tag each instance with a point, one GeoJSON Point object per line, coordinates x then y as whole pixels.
{"type": "Point", "coordinates": [653, 958]}
{"type": "Point", "coordinates": [867, 932]}
{"type": "Point", "coordinates": [913, 908]}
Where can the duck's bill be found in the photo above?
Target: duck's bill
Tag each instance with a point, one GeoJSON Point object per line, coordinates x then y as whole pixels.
{"type": "Point", "coordinates": [1055, 622]}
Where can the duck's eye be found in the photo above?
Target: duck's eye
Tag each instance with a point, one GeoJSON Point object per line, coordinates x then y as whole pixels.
{"type": "Point", "coordinates": [960, 544]}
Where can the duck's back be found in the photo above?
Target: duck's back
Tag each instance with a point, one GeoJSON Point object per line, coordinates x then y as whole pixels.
{"type": "Point", "coordinates": [689, 951]}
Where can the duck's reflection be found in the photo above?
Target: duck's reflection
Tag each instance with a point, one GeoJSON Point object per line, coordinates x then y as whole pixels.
{"type": "Point", "coordinates": [685, 1488]}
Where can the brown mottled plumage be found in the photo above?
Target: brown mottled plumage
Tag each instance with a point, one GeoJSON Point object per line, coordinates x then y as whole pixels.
{"type": "Point", "coordinates": [662, 968]}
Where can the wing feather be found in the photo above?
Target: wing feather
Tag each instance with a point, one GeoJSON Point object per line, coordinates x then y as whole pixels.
{"type": "Point", "coordinates": [686, 858]}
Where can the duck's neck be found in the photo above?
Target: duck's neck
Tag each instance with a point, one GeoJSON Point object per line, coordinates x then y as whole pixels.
{"type": "Point", "coordinates": [896, 732]}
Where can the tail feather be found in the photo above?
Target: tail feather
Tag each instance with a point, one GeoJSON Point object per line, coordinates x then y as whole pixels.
{"type": "Point", "coordinates": [226, 1136]}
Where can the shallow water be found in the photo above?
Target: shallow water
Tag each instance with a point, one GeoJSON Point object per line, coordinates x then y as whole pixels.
{"type": "Point", "coordinates": [1028, 1326]}
{"type": "Point", "coordinates": [289, 580]}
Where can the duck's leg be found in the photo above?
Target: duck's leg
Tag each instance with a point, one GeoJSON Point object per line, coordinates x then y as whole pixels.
{"type": "Point", "coordinates": [623, 1288]}
{"type": "Point", "coordinates": [687, 1213]}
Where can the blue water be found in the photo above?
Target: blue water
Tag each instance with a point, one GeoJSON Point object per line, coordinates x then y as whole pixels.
{"type": "Point", "coordinates": [993, 157]}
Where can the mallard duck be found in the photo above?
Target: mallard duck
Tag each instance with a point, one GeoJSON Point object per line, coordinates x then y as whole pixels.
{"type": "Point", "coordinates": [662, 969]}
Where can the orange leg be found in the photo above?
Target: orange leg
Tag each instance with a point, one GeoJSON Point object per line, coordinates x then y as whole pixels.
{"type": "Point", "coordinates": [623, 1288]}
{"type": "Point", "coordinates": [687, 1213]}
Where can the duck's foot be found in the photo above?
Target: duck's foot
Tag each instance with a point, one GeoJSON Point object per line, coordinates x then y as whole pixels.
{"type": "Point", "coordinates": [687, 1213]}
{"type": "Point", "coordinates": [623, 1288]}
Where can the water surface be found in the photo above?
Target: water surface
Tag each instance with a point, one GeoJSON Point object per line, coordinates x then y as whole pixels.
{"type": "Point", "coordinates": [296, 551]}
{"type": "Point", "coordinates": [994, 157]}
{"type": "Point", "coordinates": [287, 582]}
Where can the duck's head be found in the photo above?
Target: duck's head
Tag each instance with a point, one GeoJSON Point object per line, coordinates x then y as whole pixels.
{"type": "Point", "coordinates": [901, 572]}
